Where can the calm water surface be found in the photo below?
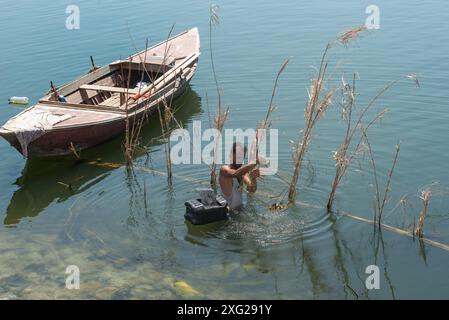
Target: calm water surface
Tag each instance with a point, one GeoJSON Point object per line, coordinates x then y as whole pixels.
{"type": "Point", "coordinates": [126, 230]}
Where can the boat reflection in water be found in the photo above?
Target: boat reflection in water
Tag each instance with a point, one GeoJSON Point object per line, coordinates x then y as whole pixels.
{"type": "Point", "coordinates": [45, 181]}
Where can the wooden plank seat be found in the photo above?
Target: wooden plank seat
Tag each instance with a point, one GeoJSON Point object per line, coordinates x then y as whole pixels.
{"type": "Point", "coordinates": [109, 89]}
{"type": "Point", "coordinates": [157, 64]}
{"type": "Point", "coordinates": [116, 99]}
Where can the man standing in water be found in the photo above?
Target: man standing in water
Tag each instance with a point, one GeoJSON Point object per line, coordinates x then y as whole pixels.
{"type": "Point", "coordinates": [235, 175]}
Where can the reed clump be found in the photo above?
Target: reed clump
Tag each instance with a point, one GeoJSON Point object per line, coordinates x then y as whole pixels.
{"type": "Point", "coordinates": [346, 153]}
{"type": "Point", "coordinates": [316, 106]}
{"type": "Point", "coordinates": [319, 100]}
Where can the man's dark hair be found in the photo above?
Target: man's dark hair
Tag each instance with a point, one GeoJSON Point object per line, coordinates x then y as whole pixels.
{"type": "Point", "coordinates": [236, 145]}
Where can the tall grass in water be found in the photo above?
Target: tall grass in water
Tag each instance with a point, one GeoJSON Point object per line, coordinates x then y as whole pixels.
{"type": "Point", "coordinates": [133, 128]}
{"type": "Point", "coordinates": [266, 123]}
{"type": "Point", "coordinates": [271, 107]}
{"type": "Point", "coordinates": [261, 128]}
{"type": "Point", "coordinates": [381, 200]}
{"type": "Point", "coordinates": [128, 145]}
{"type": "Point", "coordinates": [167, 118]}
{"type": "Point", "coordinates": [345, 155]}
{"type": "Point", "coordinates": [315, 109]}
{"type": "Point", "coordinates": [319, 100]}
{"type": "Point", "coordinates": [221, 116]}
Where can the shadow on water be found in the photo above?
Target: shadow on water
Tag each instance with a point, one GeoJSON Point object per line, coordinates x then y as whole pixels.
{"type": "Point", "coordinates": [44, 181]}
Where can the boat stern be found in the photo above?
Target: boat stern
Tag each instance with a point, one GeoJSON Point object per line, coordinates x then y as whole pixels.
{"type": "Point", "coordinates": [7, 134]}
{"type": "Point", "coordinates": [195, 32]}
{"type": "Point", "coordinates": [11, 137]}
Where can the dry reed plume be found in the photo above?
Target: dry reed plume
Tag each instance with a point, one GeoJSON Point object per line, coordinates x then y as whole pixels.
{"type": "Point", "coordinates": [347, 36]}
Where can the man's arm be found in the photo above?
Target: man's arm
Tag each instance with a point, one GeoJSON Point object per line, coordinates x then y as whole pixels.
{"type": "Point", "coordinates": [250, 180]}
{"type": "Point", "coordinates": [240, 172]}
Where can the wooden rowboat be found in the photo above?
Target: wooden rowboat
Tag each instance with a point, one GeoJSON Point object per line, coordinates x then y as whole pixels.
{"type": "Point", "coordinates": [94, 108]}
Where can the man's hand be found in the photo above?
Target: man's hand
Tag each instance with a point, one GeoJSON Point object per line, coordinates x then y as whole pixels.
{"type": "Point", "coordinates": [261, 161]}
{"type": "Point", "coordinates": [255, 173]}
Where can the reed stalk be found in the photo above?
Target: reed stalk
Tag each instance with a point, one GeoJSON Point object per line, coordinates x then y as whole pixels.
{"type": "Point", "coordinates": [314, 110]}
{"type": "Point", "coordinates": [344, 156]}
{"type": "Point", "coordinates": [347, 104]}
{"type": "Point", "coordinates": [165, 127]}
{"type": "Point", "coordinates": [380, 200]}
{"type": "Point", "coordinates": [266, 123]}
{"type": "Point", "coordinates": [271, 106]}
{"type": "Point", "coordinates": [388, 185]}
{"type": "Point", "coordinates": [425, 197]}
{"type": "Point", "coordinates": [132, 131]}
{"type": "Point", "coordinates": [128, 145]}
{"type": "Point", "coordinates": [221, 116]}
{"type": "Point", "coordinates": [76, 153]}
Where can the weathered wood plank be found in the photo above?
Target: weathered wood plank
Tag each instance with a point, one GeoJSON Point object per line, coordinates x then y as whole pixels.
{"type": "Point", "coordinates": [108, 89]}
{"type": "Point", "coordinates": [104, 108]}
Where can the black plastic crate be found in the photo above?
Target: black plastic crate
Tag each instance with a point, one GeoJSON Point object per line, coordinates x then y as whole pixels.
{"type": "Point", "coordinates": [198, 213]}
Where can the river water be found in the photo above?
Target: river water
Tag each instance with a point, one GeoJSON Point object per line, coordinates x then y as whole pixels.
{"type": "Point", "coordinates": [126, 231]}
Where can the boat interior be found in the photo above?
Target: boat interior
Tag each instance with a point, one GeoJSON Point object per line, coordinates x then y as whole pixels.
{"type": "Point", "coordinates": [121, 81]}
{"type": "Point", "coordinates": [127, 83]}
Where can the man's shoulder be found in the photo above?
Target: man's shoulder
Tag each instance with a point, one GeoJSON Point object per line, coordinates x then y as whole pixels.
{"type": "Point", "coordinates": [224, 168]}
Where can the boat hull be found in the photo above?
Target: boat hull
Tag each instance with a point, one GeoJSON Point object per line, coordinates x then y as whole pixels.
{"type": "Point", "coordinates": [58, 142]}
